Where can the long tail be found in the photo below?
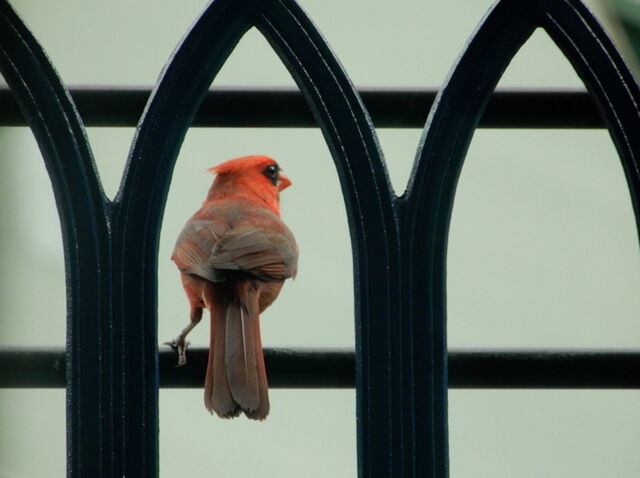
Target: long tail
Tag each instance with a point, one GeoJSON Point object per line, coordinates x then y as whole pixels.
{"type": "Point", "coordinates": [236, 380]}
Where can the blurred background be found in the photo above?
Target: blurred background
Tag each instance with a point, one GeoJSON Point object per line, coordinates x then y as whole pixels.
{"type": "Point", "coordinates": [543, 249]}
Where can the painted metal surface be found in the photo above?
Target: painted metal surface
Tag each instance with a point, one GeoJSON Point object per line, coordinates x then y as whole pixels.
{"type": "Point", "coordinates": [399, 243]}
{"type": "Point", "coordinates": [238, 107]}
{"type": "Point", "coordinates": [607, 369]}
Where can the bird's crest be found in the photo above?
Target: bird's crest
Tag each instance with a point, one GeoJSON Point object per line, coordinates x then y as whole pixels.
{"type": "Point", "coordinates": [243, 163]}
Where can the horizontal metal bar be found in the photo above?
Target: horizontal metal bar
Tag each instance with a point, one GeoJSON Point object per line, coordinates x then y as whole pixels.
{"type": "Point", "coordinates": [334, 368]}
{"type": "Point", "coordinates": [286, 107]}
{"type": "Point", "coordinates": [577, 369]}
{"type": "Point", "coordinates": [32, 367]}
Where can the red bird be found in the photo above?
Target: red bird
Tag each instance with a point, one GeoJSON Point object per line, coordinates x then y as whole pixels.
{"type": "Point", "coordinates": [234, 255]}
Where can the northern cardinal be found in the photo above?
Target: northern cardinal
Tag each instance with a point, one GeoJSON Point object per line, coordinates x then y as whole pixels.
{"type": "Point", "coordinates": [234, 255]}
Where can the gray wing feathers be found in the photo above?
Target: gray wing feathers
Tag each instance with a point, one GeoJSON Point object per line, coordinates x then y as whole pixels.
{"type": "Point", "coordinates": [207, 249]}
{"type": "Point", "coordinates": [266, 254]}
{"type": "Point", "coordinates": [196, 241]}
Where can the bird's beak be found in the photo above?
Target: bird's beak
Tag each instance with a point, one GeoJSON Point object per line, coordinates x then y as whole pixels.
{"type": "Point", "coordinates": [283, 181]}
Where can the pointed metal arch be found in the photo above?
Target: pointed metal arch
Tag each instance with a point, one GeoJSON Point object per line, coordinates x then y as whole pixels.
{"type": "Point", "coordinates": [428, 201]}
{"type": "Point", "coordinates": [367, 192]}
{"type": "Point", "coordinates": [594, 56]}
{"type": "Point", "coordinates": [82, 208]}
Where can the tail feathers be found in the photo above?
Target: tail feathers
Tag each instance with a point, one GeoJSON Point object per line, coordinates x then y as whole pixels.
{"type": "Point", "coordinates": [263, 409]}
{"type": "Point", "coordinates": [217, 395]}
{"type": "Point", "coordinates": [236, 378]}
{"type": "Point", "coordinates": [240, 355]}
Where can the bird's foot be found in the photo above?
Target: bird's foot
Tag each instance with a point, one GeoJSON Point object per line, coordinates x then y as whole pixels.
{"type": "Point", "coordinates": [180, 345]}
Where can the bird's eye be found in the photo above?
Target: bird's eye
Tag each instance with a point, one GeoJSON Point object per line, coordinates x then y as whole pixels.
{"type": "Point", "coordinates": [271, 172]}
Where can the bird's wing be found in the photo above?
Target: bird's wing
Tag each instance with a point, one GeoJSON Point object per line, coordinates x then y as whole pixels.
{"type": "Point", "coordinates": [264, 253]}
{"type": "Point", "coordinates": [195, 245]}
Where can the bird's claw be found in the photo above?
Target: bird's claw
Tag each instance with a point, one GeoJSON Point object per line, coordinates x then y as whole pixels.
{"type": "Point", "coordinates": [180, 345]}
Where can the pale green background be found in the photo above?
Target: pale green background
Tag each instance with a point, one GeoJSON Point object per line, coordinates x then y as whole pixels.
{"type": "Point", "coordinates": [543, 250]}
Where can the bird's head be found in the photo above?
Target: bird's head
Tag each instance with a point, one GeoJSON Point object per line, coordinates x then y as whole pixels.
{"type": "Point", "coordinates": [250, 175]}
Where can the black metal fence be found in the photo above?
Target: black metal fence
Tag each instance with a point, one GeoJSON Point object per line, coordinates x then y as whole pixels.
{"type": "Point", "coordinates": [401, 368]}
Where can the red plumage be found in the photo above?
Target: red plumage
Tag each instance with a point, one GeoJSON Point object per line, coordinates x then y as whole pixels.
{"type": "Point", "coordinates": [234, 255]}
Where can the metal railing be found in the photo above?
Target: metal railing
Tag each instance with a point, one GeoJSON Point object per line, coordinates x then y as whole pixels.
{"type": "Point", "coordinates": [35, 367]}
{"type": "Point", "coordinates": [401, 368]}
{"type": "Point", "coordinates": [233, 107]}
